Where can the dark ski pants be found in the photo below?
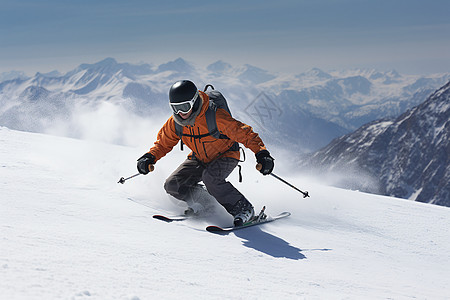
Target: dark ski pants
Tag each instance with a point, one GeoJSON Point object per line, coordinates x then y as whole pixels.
{"type": "Point", "coordinates": [183, 182]}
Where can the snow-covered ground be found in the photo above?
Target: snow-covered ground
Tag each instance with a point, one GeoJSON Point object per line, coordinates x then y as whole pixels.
{"type": "Point", "coordinates": [69, 231]}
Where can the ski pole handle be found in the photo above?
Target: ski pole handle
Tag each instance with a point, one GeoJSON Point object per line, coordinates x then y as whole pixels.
{"type": "Point", "coordinates": [305, 193]}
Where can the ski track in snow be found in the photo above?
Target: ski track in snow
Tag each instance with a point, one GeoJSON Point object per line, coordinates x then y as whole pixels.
{"type": "Point", "coordinates": [69, 231]}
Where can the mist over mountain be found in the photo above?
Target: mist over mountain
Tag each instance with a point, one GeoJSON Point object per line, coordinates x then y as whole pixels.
{"type": "Point", "coordinates": [304, 111]}
{"type": "Point", "coordinates": [405, 157]}
{"type": "Point", "coordinates": [12, 75]}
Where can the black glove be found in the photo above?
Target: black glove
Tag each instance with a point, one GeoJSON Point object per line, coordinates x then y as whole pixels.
{"type": "Point", "coordinates": [265, 162]}
{"type": "Point", "coordinates": [144, 162]}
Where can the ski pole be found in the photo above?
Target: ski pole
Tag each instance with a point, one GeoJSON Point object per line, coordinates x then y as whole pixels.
{"type": "Point", "coordinates": [122, 180]}
{"type": "Point", "coordinates": [305, 193]}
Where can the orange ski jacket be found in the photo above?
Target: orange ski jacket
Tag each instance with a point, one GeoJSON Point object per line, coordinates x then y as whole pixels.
{"type": "Point", "coordinates": [208, 148]}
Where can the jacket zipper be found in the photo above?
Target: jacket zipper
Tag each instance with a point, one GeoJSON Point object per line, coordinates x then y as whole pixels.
{"type": "Point", "coordinates": [192, 138]}
{"type": "Point", "coordinates": [203, 143]}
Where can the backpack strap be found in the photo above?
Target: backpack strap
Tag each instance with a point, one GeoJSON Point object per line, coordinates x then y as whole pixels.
{"type": "Point", "coordinates": [212, 124]}
{"type": "Point", "coordinates": [210, 116]}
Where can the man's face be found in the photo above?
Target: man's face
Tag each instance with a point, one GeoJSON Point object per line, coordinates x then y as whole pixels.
{"type": "Point", "coordinates": [186, 115]}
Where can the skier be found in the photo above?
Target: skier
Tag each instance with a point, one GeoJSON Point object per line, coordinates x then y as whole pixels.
{"type": "Point", "coordinates": [212, 159]}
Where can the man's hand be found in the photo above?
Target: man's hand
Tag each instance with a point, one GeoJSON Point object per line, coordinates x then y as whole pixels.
{"type": "Point", "coordinates": [265, 162]}
{"type": "Point", "coordinates": [145, 163]}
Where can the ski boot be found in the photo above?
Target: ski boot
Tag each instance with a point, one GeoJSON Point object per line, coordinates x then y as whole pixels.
{"type": "Point", "coordinates": [242, 212]}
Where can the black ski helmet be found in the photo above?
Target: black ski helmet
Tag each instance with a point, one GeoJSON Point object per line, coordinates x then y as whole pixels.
{"type": "Point", "coordinates": [182, 91]}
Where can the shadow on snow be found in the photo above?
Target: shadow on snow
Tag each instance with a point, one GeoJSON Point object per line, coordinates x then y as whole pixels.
{"type": "Point", "coordinates": [269, 244]}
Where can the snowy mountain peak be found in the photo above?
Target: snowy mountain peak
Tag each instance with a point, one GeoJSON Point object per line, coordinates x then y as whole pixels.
{"type": "Point", "coordinates": [315, 73]}
{"type": "Point", "coordinates": [408, 155]}
{"type": "Point", "coordinates": [52, 74]}
{"type": "Point", "coordinates": [179, 65]}
{"type": "Point", "coordinates": [254, 75]}
{"type": "Point", "coordinates": [110, 67]}
{"type": "Point", "coordinates": [105, 63]}
{"type": "Point", "coordinates": [34, 93]}
{"type": "Point", "coordinates": [219, 67]}
{"type": "Point", "coordinates": [393, 74]}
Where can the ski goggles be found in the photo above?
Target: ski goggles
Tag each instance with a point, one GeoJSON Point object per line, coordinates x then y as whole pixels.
{"type": "Point", "coordinates": [185, 106]}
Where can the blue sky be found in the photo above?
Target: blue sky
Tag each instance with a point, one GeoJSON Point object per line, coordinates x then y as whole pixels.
{"type": "Point", "coordinates": [410, 36]}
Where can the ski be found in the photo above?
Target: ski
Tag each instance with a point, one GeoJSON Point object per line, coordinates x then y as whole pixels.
{"type": "Point", "coordinates": [169, 219]}
{"type": "Point", "coordinates": [256, 221]}
{"type": "Point", "coordinates": [262, 218]}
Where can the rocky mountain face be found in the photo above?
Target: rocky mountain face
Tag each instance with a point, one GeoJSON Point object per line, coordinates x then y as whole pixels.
{"type": "Point", "coordinates": [406, 157]}
{"type": "Point", "coordinates": [303, 111]}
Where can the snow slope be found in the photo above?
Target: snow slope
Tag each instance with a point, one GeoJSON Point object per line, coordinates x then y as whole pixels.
{"type": "Point", "coordinates": [69, 231]}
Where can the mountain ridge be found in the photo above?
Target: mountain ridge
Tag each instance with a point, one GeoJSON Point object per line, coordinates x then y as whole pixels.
{"type": "Point", "coordinates": [407, 156]}
{"type": "Point", "coordinates": [330, 103]}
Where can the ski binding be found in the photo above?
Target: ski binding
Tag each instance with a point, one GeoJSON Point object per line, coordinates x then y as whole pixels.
{"type": "Point", "coordinates": [262, 218]}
